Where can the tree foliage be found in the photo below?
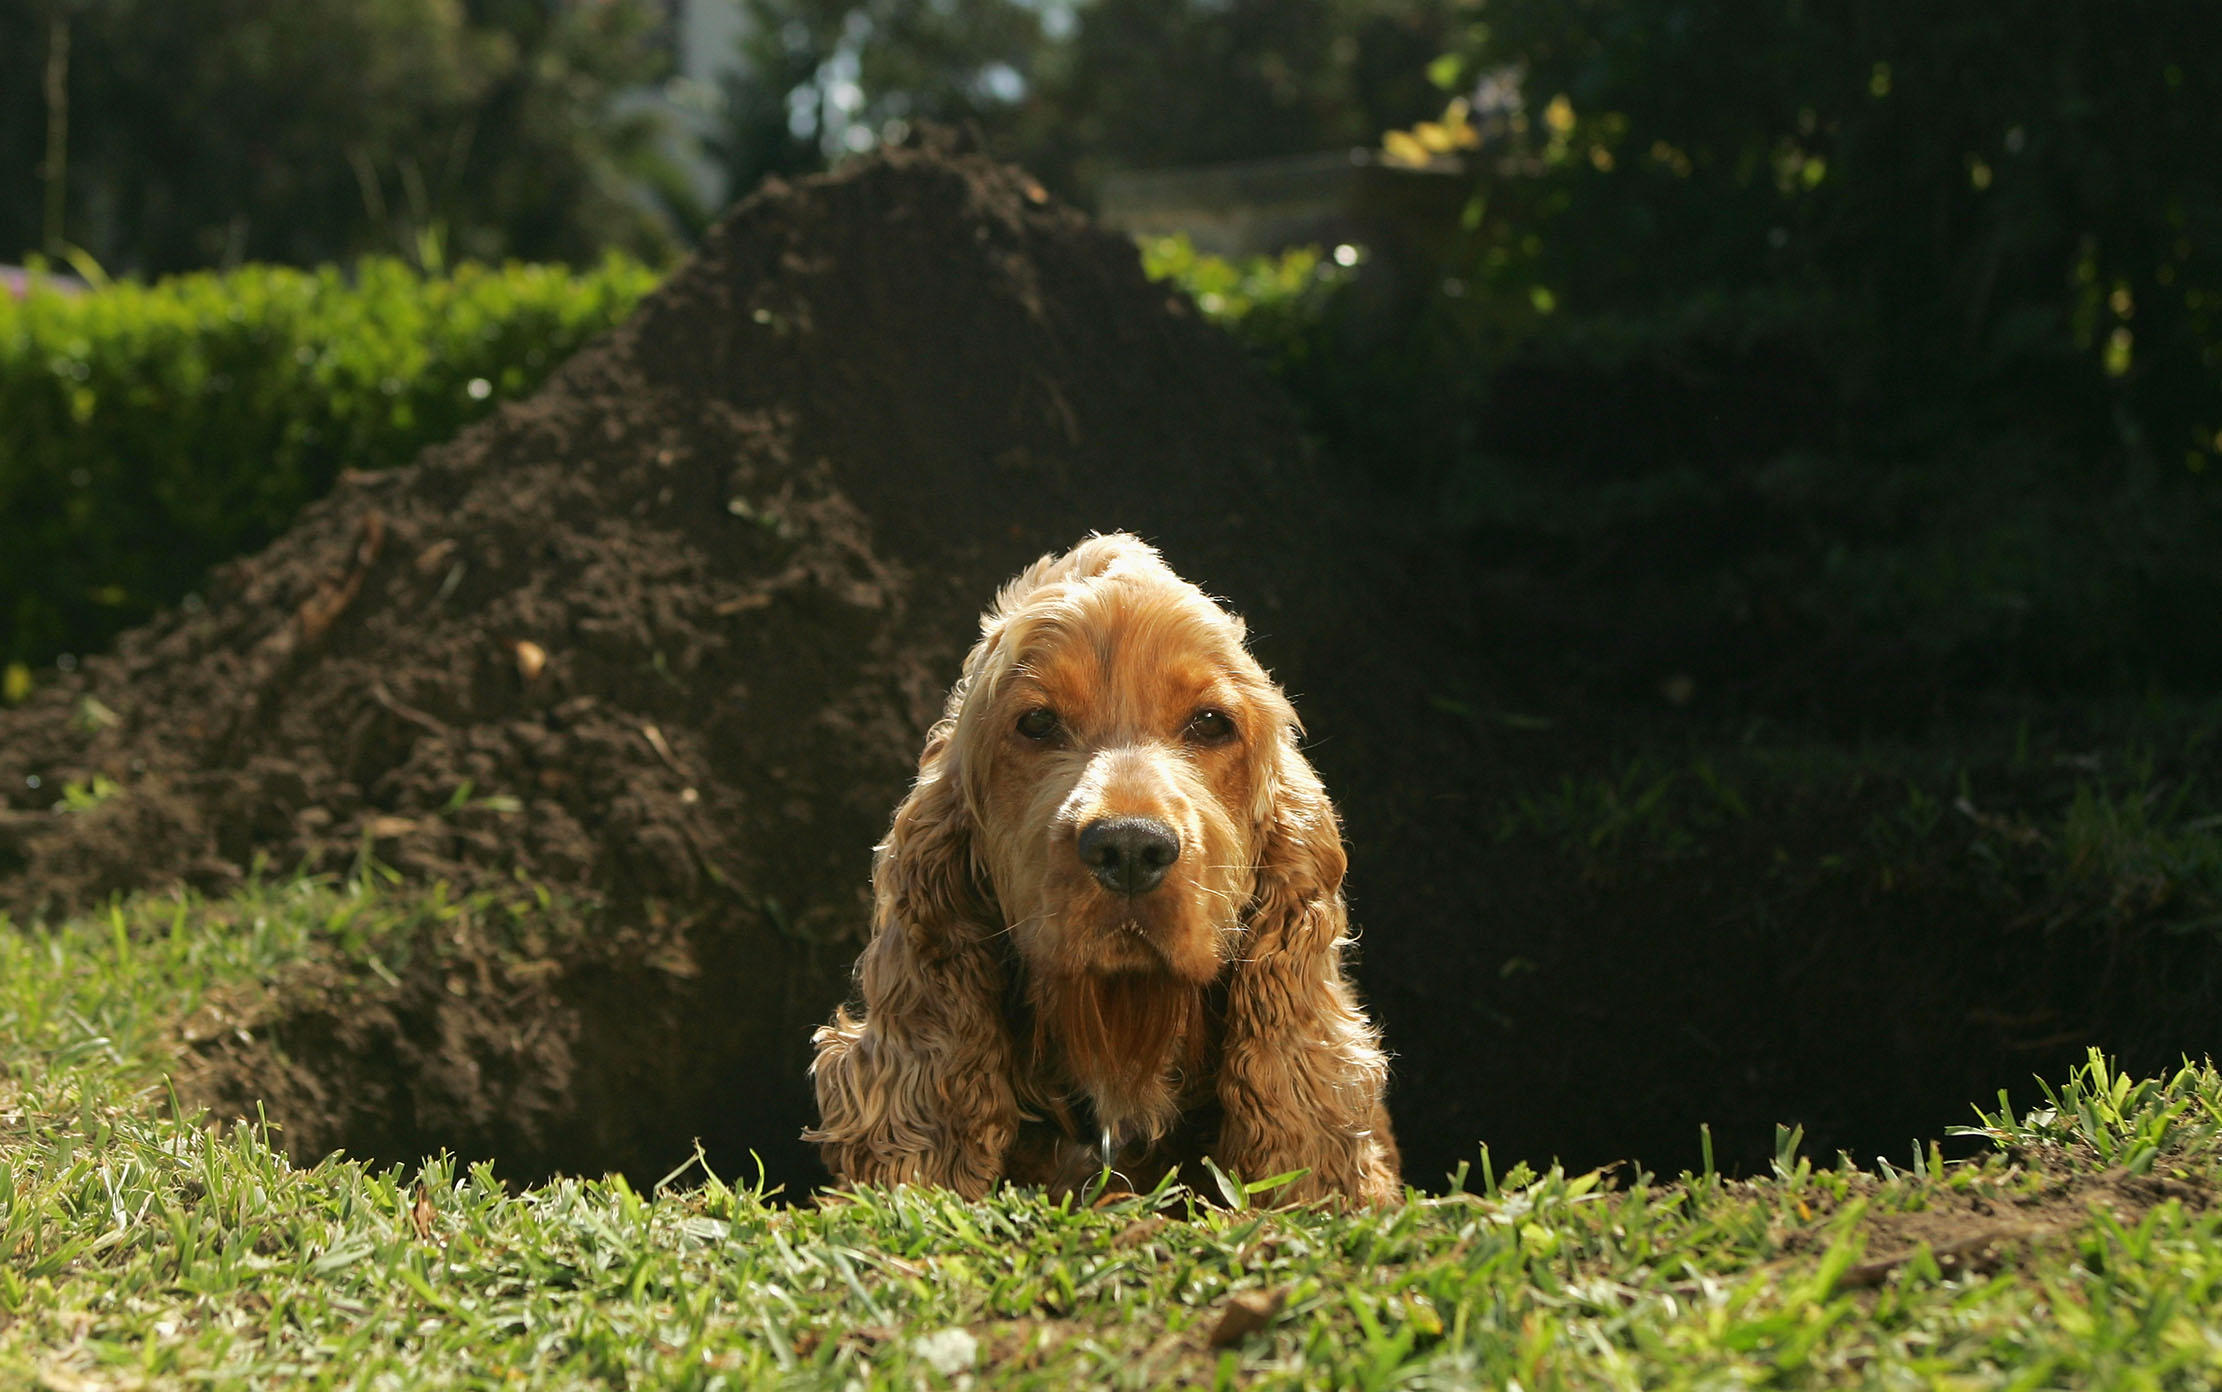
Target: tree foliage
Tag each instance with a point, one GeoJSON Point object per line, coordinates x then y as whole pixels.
{"type": "Point", "coordinates": [1073, 91]}
{"type": "Point", "coordinates": [2016, 205]}
{"type": "Point", "coordinates": [1156, 83]}
{"type": "Point", "coordinates": [820, 78]}
{"type": "Point", "coordinates": [211, 132]}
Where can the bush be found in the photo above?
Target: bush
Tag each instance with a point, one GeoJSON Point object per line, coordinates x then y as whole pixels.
{"type": "Point", "coordinates": [1276, 305]}
{"type": "Point", "coordinates": [154, 430]}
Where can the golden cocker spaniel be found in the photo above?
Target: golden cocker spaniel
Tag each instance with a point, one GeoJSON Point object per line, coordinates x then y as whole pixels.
{"type": "Point", "coordinates": [1109, 922]}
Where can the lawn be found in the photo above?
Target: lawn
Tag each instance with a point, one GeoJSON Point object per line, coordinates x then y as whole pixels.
{"type": "Point", "coordinates": [143, 1247]}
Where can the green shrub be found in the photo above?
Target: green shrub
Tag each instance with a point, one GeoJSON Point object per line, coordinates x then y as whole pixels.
{"type": "Point", "coordinates": [1276, 305]}
{"type": "Point", "coordinates": [152, 431]}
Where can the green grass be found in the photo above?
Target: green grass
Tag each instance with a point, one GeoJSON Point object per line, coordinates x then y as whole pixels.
{"type": "Point", "coordinates": [139, 1247]}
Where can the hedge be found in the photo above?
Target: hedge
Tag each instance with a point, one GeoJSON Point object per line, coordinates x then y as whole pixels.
{"type": "Point", "coordinates": [148, 432]}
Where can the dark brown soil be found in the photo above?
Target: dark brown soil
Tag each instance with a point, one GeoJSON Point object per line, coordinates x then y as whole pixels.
{"type": "Point", "coordinates": [1976, 1230]}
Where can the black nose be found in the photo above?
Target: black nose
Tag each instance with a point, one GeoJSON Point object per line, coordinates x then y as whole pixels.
{"type": "Point", "coordinates": [1129, 855]}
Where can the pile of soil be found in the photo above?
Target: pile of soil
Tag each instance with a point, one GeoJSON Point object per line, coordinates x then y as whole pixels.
{"type": "Point", "coordinates": [666, 637]}
{"type": "Point", "coordinates": [669, 633]}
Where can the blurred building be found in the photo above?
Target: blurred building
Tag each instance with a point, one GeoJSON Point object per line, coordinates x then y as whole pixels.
{"type": "Point", "coordinates": [705, 42]}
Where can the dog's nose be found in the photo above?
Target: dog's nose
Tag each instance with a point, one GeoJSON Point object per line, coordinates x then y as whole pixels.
{"type": "Point", "coordinates": [1129, 855]}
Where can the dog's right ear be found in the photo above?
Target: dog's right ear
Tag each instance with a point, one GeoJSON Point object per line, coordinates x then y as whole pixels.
{"type": "Point", "coordinates": [918, 1089]}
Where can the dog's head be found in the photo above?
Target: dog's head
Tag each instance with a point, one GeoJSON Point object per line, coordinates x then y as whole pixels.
{"type": "Point", "coordinates": [1117, 748]}
{"type": "Point", "coordinates": [1111, 815]}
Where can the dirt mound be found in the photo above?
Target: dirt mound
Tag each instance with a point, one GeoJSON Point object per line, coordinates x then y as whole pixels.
{"type": "Point", "coordinates": [670, 631]}
{"type": "Point", "coordinates": [741, 536]}
{"type": "Point", "coordinates": [666, 637]}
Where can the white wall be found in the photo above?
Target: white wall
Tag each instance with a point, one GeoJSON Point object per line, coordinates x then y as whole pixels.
{"type": "Point", "coordinates": [706, 36]}
{"type": "Point", "coordinates": [709, 36]}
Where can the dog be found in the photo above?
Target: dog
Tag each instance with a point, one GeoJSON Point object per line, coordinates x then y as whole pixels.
{"type": "Point", "coordinates": [1108, 920]}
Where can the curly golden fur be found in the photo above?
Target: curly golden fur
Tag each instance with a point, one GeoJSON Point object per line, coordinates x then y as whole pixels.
{"type": "Point", "coordinates": [1109, 918]}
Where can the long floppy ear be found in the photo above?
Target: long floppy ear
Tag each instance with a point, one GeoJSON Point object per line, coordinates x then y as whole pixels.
{"type": "Point", "coordinates": [918, 1088]}
{"type": "Point", "coordinates": [1302, 1080]}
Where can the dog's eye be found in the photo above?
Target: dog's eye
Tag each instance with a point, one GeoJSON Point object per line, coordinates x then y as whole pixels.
{"type": "Point", "coordinates": [1038, 724]}
{"type": "Point", "coordinates": [1211, 727]}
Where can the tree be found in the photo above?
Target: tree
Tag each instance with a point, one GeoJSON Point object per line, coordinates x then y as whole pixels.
{"type": "Point", "coordinates": [2016, 205]}
{"type": "Point", "coordinates": [215, 131]}
{"type": "Point", "coordinates": [1071, 92]}
{"type": "Point", "coordinates": [821, 78]}
{"type": "Point", "coordinates": [1155, 83]}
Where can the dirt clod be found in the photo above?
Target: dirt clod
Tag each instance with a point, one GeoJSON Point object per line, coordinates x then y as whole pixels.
{"type": "Point", "coordinates": [1244, 1314]}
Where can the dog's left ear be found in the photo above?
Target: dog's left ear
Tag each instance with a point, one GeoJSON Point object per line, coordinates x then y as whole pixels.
{"type": "Point", "coordinates": [1303, 1079]}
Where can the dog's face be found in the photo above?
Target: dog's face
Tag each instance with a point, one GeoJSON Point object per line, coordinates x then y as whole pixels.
{"type": "Point", "coordinates": [1122, 746]}
{"type": "Point", "coordinates": [1116, 785]}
